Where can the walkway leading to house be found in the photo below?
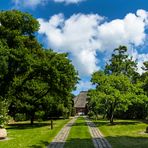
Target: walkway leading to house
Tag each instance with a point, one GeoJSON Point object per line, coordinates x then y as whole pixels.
{"type": "Point", "coordinates": [60, 139]}
{"type": "Point", "coordinates": [98, 139]}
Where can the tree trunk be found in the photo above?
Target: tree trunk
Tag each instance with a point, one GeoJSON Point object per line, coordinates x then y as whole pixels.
{"type": "Point", "coordinates": [111, 114]}
{"type": "Point", "coordinates": [112, 118]}
{"type": "Point", "coordinates": [32, 118]}
{"type": "Point", "coordinates": [51, 124]}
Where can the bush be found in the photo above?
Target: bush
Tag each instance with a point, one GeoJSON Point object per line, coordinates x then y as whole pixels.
{"type": "Point", "coordinates": [3, 113]}
{"type": "Point", "coordinates": [64, 111]}
{"type": "Point", "coordinates": [73, 111]}
{"type": "Point", "coordinates": [20, 117]}
{"type": "Point", "coordinates": [40, 115]}
{"type": "Point", "coordinates": [91, 114]}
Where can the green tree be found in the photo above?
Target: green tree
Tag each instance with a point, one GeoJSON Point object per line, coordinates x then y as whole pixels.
{"type": "Point", "coordinates": [31, 76]}
{"type": "Point", "coordinates": [118, 87]}
{"type": "Point", "coordinates": [122, 63]}
{"type": "Point", "coordinates": [3, 112]}
{"type": "Point", "coordinates": [112, 92]}
{"type": "Point", "coordinates": [144, 77]}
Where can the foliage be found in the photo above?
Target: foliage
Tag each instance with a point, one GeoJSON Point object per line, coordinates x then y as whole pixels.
{"type": "Point", "coordinates": [20, 117]}
{"type": "Point", "coordinates": [32, 78]}
{"type": "Point", "coordinates": [3, 113]}
{"type": "Point", "coordinates": [122, 63]}
{"type": "Point", "coordinates": [145, 77]}
{"type": "Point", "coordinates": [118, 88]}
{"type": "Point", "coordinates": [113, 92]}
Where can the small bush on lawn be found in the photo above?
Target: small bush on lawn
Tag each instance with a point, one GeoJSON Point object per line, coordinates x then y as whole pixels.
{"type": "Point", "coordinates": [20, 117]}
{"type": "Point", "coordinates": [3, 113]}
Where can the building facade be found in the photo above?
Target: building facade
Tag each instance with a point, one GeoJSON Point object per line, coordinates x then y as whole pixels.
{"type": "Point", "coordinates": [80, 103]}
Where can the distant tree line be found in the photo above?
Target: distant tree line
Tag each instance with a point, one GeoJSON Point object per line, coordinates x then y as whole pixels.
{"type": "Point", "coordinates": [34, 82]}
{"type": "Point", "coordinates": [120, 91]}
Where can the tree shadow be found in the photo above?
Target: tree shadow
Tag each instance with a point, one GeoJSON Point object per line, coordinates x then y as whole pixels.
{"type": "Point", "coordinates": [128, 141]}
{"type": "Point", "coordinates": [79, 143]}
{"type": "Point", "coordinates": [40, 144]}
{"type": "Point", "coordinates": [107, 123]}
{"type": "Point", "coordinates": [19, 126]}
{"type": "Point", "coordinates": [115, 141]}
{"type": "Point", "coordinates": [80, 124]}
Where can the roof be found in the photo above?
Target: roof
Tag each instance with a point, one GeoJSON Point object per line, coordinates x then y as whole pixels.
{"type": "Point", "coordinates": [81, 100]}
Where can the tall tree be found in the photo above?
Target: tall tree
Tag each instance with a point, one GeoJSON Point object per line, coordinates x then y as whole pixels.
{"type": "Point", "coordinates": [31, 75]}
{"type": "Point", "coordinates": [122, 63]}
{"type": "Point", "coordinates": [144, 77]}
{"type": "Point", "coordinates": [113, 92]}
{"type": "Point", "coordinates": [118, 85]}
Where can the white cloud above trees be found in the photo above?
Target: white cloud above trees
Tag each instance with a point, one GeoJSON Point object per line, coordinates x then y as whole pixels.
{"type": "Point", "coordinates": [34, 3]}
{"type": "Point", "coordinates": [83, 36]}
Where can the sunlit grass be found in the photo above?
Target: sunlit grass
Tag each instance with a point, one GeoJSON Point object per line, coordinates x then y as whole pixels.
{"type": "Point", "coordinates": [23, 135]}
{"type": "Point", "coordinates": [79, 136]}
{"type": "Point", "coordinates": [125, 133]}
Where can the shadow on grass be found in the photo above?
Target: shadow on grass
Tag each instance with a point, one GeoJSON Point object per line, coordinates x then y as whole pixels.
{"type": "Point", "coordinates": [19, 126]}
{"type": "Point", "coordinates": [115, 141]}
{"type": "Point", "coordinates": [40, 145]}
{"type": "Point", "coordinates": [107, 123]}
{"type": "Point", "coordinates": [128, 142]}
{"type": "Point", "coordinates": [80, 124]}
{"type": "Point", "coordinates": [79, 143]}
{"type": "Point", "coordinates": [73, 143]}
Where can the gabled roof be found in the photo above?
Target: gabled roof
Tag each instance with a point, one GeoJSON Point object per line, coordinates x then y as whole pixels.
{"type": "Point", "coordinates": [81, 100]}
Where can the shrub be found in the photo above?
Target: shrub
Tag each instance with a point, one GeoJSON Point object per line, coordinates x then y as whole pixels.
{"type": "Point", "coordinates": [40, 115]}
{"type": "Point", "coordinates": [91, 114]}
{"type": "Point", "coordinates": [20, 117]}
{"type": "Point", "coordinates": [3, 113]}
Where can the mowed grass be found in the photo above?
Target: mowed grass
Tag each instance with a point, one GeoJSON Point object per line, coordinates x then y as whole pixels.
{"type": "Point", "coordinates": [23, 135]}
{"type": "Point", "coordinates": [79, 136]}
{"type": "Point", "coordinates": [125, 133]}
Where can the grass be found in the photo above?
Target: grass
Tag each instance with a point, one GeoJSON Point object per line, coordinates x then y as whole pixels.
{"type": "Point", "coordinates": [23, 135]}
{"type": "Point", "coordinates": [125, 133]}
{"type": "Point", "coordinates": [79, 136]}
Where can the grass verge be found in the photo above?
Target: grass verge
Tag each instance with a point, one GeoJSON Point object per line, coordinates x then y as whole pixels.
{"type": "Point", "coordinates": [79, 136]}
{"type": "Point", "coordinates": [125, 133]}
{"type": "Point", "coordinates": [23, 135]}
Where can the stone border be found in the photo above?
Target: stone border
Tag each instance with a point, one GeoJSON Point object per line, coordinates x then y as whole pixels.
{"type": "Point", "coordinates": [60, 139]}
{"type": "Point", "coordinates": [97, 137]}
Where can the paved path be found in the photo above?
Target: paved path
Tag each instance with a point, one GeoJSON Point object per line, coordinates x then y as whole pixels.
{"type": "Point", "coordinates": [60, 139]}
{"type": "Point", "coordinates": [98, 139]}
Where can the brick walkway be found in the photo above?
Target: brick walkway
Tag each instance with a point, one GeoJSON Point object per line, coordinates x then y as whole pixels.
{"type": "Point", "coordinates": [60, 139]}
{"type": "Point", "coordinates": [98, 139]}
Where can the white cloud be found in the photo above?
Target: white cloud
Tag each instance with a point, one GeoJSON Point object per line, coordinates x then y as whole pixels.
{"type": "Point", "coordinates": [74, 35]}
{"type": "Point", "coordinates": [68, 1]}
{"type": "Point", "coordinates": [34, 3]}
{"type": "Point", "coordinates": [140, 58]}
{"type": "Point", "coordinates": [83, 35]}
{"type": "Point", "coordinates": [29, 3]}
{"type": "Point", "coordinates": [84, 85]}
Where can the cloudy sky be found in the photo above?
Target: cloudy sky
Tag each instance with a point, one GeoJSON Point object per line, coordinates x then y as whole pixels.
{"type": "Point", "coordinates": [89, 30]}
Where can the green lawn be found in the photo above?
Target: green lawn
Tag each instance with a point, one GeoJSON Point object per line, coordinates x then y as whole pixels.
{"type": "Point", "coordinates": [125, 134]}
{"type": "Point", "coordinates": [79, 136]}
{"type": "Point", "coordinates": [23, 135]}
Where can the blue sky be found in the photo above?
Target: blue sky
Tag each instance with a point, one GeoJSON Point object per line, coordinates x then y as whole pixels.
{"type": "Point", "coordinates": [89, 30]}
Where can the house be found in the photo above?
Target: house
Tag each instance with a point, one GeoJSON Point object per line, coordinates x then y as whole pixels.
{"type": "Point", "coordinates": [80, 103]}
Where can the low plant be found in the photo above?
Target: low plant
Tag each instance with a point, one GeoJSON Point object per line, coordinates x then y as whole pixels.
{"type": "Point", "coordinates": [3, 113]}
